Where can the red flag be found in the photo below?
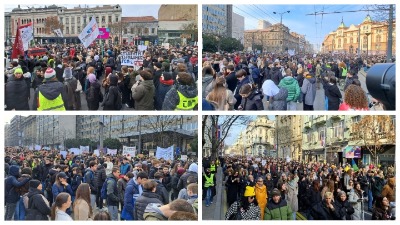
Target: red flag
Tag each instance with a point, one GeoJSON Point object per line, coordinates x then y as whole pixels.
{"type": "Point", "coordinates": [18, 46]}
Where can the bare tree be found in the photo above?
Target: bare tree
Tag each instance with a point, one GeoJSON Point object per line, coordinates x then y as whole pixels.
{"type": "Point", "coordinates": [212, 123]}
{"type": "Point", "coordinates": [51, 24]}
{"type": "Point", "coordinates": [160, 126]}
{"type": "Point", "coordinates": [117, 28]}
{"type": "Point", "coordinates": [380, 12]}
{"type": "Point", "coordinates": [373, 132]}
{"type": "Point", "coordinates": [190, 30]}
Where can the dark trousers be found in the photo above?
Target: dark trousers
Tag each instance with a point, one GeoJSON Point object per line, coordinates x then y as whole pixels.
{"type": "Point", "coordinates": [99, 200]}
{"type": "Point", "coordinates": [308, 107]}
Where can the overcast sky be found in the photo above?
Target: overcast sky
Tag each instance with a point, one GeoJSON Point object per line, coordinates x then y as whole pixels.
{"type": "Point", "coordinates": [127, 10]}
{"type": "Point", "coordinates": [315, 27]}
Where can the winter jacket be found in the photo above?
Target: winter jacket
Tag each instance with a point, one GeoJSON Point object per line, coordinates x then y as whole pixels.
{"type": "Point", "coordinates": [207, 87]}
{"type": "Point", "coordinates": [58, 189]}
{"type": "Point", "coordinates": [321, 212]}
{"type": "Point", "coordinates": [90, 179]}
{"type": "Point", "coordinates": [278, 211]}
{"type": "Point", "coordinates": [345, 209]}
{"type": "Point", "coordinates": [381, 214]}
{"type": "Point", "coordinates": [142, 201]}
{"type": "Point", "coordinates": [172, 98]}
{"type": "Point", "coordinates": [182, 183]}
{"type": "Point", "coordinates": [16, 94]}
{"type": "Point", "coordinates": [121, 185]}
{"type": "Point", "coordinates": [292, 87]}
{"type": "Point", "coordinates": [309, 90]}
{"type": "Point", "coordinates": [94, 96]}
{"type": "Point", "coordinates": [252, 213]}
{"type": "Point", "coordinates": [276, 75]}
{"type": "Point", "coordinates": [11, 183]}
{"type": "Point", "coordinates": [388, 190]}
{"type": "Point", "coordinates": [377, 186]}
{"type": "Point", "coordinates": [132, 188]}
{"type": "Point", "coordinates": [161, 92]}
{"type": "Point", "coordinates": [50, 90]}
{"type": "Point", "coordinates": [354, 200]}
{"type": "Point", "coordinates": [152, 212]}
{"type": "Point", "coordinates": [38, 206]}
{"type": "Point", "coordinates": [76, 180]}
{"type": "Point", "coordinates": [162, 192]}
{"type": "Point", "coordinates": [99, 176]}
{"type": "Point", "coordinates": [143, 95]}
{"type": "Point", "coordinates": [262, 198]}
{"type": "Point", "coordinates": [253, 101]}
{"type": "Point", "coordinates": [112, 191]}
{"type": "Point", "coordinates": [111, 100]}
{"type": "Point", "coordinates": [62, 216]}
{"type": "Point", "coordinates": [231, 81]}
{"type": "Point", "coordinates": [239, 85]}
{"type": "Point", "coordinates": [81, 210]}
{"type": "Point", "coordinates": [278, 101]}
{"type": "Point", "coordinates": [70, 86]}
{"type": "Point", "coordinates": [333, 94]}
{"type": "Point", "coordinates": [292, 192]}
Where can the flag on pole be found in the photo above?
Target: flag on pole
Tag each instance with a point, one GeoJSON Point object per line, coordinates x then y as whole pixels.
{"type": "Point", "coordinates": [22, 37]}
{"type": "Point", "coordinates": [354, 165]}
{"type": "Point", "coordinates": [89, 33]}
{"type": "Point", "coordinates": [58, 33]}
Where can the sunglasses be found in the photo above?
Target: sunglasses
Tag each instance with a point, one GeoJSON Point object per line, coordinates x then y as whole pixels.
{"type": "Point", "coordinates": [251, 197]}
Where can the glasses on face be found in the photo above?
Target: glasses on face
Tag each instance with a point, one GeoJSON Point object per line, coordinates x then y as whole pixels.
{"type": "Point", "coordinates": [251, 197]}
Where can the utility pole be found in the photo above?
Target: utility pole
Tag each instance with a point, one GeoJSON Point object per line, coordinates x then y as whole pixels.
{"type": "Point", "coordinates": [140, 135]}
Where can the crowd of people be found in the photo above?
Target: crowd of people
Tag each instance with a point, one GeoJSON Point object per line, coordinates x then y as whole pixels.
{"type": "Point", "coordinates": [165, 80]}
{"type": "Point", "coordinates": [269, 188]}
{"type": "Point", "coordinates": [46, 185]}
{"type": "Point", "coordinates": [269, 81]}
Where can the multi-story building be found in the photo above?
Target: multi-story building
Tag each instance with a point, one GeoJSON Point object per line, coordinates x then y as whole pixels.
{"type": "Point", "coordinates": [238, 27]}
{"type": "Point", "coordinates": [289, 136]}
{"type": "Point", "coordinates": [15, 131]}
{"type": "Point", "coordinates": [7, 28]}
{"type": "Point", "coordinates": [325, 138]}
{"type": "Point", "coordinates": [139, 30]}
{"type": "Point", "coordinates": [72, 20]}
{"type": "Point", "coordinates": [369, 36]}
{"type": "Point", "coordinates": [217, 20]}
{"type": "Point", "coordinates": [54, 130]}
{"type": "Point", "coordinates": [263, 24]}
{"type": "Point", "coordinates": [260, 136]}
{"type": "Point", "coordinates": [29, 131]}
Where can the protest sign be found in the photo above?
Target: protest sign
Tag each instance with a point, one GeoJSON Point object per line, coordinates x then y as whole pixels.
{"type": "Point", "coordinates": [165, 153]}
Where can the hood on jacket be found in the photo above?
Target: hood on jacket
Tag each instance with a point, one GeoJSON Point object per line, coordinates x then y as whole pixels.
{"type": "Point", "coordinates": [153, 208]}
{"type": "Point", "coordinates": [272, 205]}
{"type": "Point", "coordinates": [113, 80]}
{"type": "Point", "coordinates": [207, 79]}
{"type": "Point", "coordinates": [14, 171]}
{"type": "Point", "coordinates": [193, 168]}
{"type": "Point", "coordinates": [51, 89]}
{"type": "Point", "coordinates": [33, 191]}
{"type": "Point", "coordinates": [288, 80]}
{"type": "Point", "coordinates": [312, 80]}
{"type": "Point", "coordinates": [188, 90]}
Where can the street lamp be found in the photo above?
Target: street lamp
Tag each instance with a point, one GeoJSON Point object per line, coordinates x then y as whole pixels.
{"type": "Point", "coordinates": [281, 13]}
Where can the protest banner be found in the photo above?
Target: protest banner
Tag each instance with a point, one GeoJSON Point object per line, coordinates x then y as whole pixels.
{"type": "Point", "coordinates": [96, 152]}
{"type": "Point", "coordinates": [132, 59]}
{"type": "Point", "coordinates": [64, 154]}
{"type": "Point", "coordinates": [112, 151]}
{"type": "Point", "coordinates": [184, 157]}
{"type": "Point", "coordinates": [89, 33]}
{"type": "Point", "coordinates": [84, 149]}
{"type": "Point", "coordinates": [76, 151]}
{"type": "Point", "coordinates": [38, 147]}
{"type": "Point", "coordinates": [165, 153]}
{"type": "Point", "coordinates": [131, 151]}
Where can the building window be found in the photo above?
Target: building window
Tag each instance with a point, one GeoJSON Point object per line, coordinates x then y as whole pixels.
{"type": "Point", "coordinates": [78, 19]}
{"type": "Point", "coordinates": [116, 19]}
{"type": "Point", "coordinates": [67, 30]}
{"type": "Point", "coordinates": [351, 40]}
{"type": "Point", "coordinates": [110, 19]}
{"type": "Point", "coordinates": [338, 130]}
{"type": "Point", "coordinates": [67, 20]}
{"type": "Point", "coordinates": [139, 30]}
{"type": "Point", "coordinates": [146, 30]}
{"type": "Point", "coordinates": [153, 30]}
{"type": "Point", "coordinates": [103, 19]}
{"type": "Point", "coordinates": [72, 20]}
{"type": "Point", "coordinates": [378, 38]}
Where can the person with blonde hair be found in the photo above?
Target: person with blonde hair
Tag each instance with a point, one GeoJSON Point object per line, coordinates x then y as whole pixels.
{"type": "Point", "coordinates": [326, 209]}
{"type": "Point", "coordinates": [221, 97]}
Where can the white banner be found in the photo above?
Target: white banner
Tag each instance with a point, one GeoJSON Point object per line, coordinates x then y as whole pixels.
{"type": "Point", "coordinates": [258, 159]}
{"type": "Point", "coordinates": [76, 151]}
{"type": "Point", "coordinates": [38, 147]}
{"type": "Point", "coordinates": [96, 152]}
{"type": "Point", "coordinates": [132, 59]}
{"type": "Point", "coordinates": [165, 45]}
{"type": "Point", "coordinates": [248, 158]}
{"type": "Point", "coordinates": [291, 52]}
{"type": "Point", "coordinates": [64, 154]}
{"type": "Point", "coordinates": [84, 149]}
{"type": "Point", "coordinates": [142, 48]}
{"type": "Point", "coordinates": [58, 33]}
{"type": "Point", "coordinates": [165, 153]}
{"type": "Point", "coordinates": [131, 151]}
{"type": "Point", "coordinates": [26, 36]}
{"type": "Point", "coordinates": [89, 33]}
{"type": "Point", "coordinates": [112, 151]}
{"type": "Point", "coordinates": [263, 162]}
{"type": "Point", "coordinates": [184, 157]}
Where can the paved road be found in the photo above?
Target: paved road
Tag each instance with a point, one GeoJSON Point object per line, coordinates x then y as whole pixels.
{"type": "Point", "coordinates": [217, 210]}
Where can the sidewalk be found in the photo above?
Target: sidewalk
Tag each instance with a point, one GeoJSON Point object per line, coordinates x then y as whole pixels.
{"type": "Point", "coordinates": [216, 210]}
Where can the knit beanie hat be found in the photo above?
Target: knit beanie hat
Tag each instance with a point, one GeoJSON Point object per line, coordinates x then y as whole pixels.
{"type": "Point", "coordinates": [34, 183]}
{"type": "Point", "coordinates": [50, 73]}
{"type": "Point", "coordinates": [67, 73]}
{"type": "Point", "coordinates": [275, 192]}
{"type": "Point", "coordinates": [18, 70]}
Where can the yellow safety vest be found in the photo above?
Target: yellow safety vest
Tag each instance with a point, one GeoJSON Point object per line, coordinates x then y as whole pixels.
{"type": "Point", "coordinates": [186, 103]}
{"type": "Point", "coordinates": [344, 71]}
{"type": "Point", "coordinates": [212, 168]}
{"type": "Point", "coordinates": [209, 181]}
{"type": "Point", "coordinates": [50, 105]}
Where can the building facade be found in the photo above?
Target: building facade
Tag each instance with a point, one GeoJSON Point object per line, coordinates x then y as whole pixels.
{"type": "Point", "coordinates": [260, 137]}
{"type": "Point", "coordinates": [369, 36]}
{"type": "Point", "coordinates": [72, 20]}
{"type": "Point", "coordinates": [217, 20]}
{"type": "Point", "coordinates": [263, 24]}
{"type": "Point", "coordinates": [238, 27]}
{"type": "Point", "coordinates": [289, 136]}
{"type": "Point", "coordinates": [138, 30]}
{"type": "Point", "coordinates": [52, 131]}
{"type": "Point", "coordinates": [275, 38]}
{"type": "Point", "coordinates": [325, 138]}
{"type": "Point", "coordinates": [15, 130]}
{"type": "Point", "coordinates": [177, 24]}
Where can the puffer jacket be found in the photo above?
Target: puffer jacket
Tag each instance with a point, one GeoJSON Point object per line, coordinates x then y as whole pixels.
{"type": "Point", "coordinates": [278, 101]}
{"type": "Point", "coordinates": [388, 190]}
{"type": "Point", "coordinates": [142, 202]}
{"type": "Point", "coordinates": [100, 176]}
{"type": "Point", "coordinates": [309, 90]}
{"type": "Point", "coordinates": [253, 101]}
{"type": "Point", "coordinates": [292, 86]}
{"type": "Point", "coordinates": [172, 98]}
{"type": "Point", "coordinates": [278, 211]}
{"type": "Point", "coordinates": [143, 95]}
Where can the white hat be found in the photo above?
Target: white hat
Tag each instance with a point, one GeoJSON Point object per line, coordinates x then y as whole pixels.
{"type": "Point", "coordinates": [50, 73]}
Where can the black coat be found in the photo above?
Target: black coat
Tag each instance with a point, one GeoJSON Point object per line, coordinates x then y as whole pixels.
{"type": "Point", "coordinates": [333, 94]}
{"type": "Point", "coordinates": [231, 81]}
{"type": "Point", "coordinates": [321, 212]}
{"type": "Point", "coordinates": [161, 92]}
{"type": "Point", "coordinates": [345, 209]}
{"type": "Point", "coordinates": [17, 94]}
{"type": "Point", "coordinates": [94, 96]}
{"type": "Point", "coordinates": [162, 192]}
{"type": "Point", "coordinates": [142, 202]}
{"type": "Point", "coordinates": [37, 208]}
{"type": "Point", "coordinates": [100, 176]}
{"type": "Point", "coordinates": [276, 75]}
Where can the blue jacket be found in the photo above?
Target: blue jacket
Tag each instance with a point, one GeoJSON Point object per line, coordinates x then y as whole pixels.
{"type": "Point", "coordinates": [124, 168]}
{"type": "Point", "coordinates": [132, 188]}
{"type": "Point", "coordinates": [11, 183]}
{"type": "Point", "coordinates": [58, 189]}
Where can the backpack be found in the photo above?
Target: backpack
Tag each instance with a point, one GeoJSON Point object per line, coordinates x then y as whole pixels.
{"type": "Point", "coordinates": [91, 176]}
{"type": "Point", "coordinates": [103, 192]}
{"type": "Point", "coordinates": [99, 65]}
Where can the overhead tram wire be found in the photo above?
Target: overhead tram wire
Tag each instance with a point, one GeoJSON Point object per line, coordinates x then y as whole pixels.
{"type": "Point", "coordinates": [336, 12]}
{"type": "Point", "coordinates": [260, 16]}
{"type": "Point", "coordinates": [269, 15]}
{"type": "Point", "coordinates": [245, 12]}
